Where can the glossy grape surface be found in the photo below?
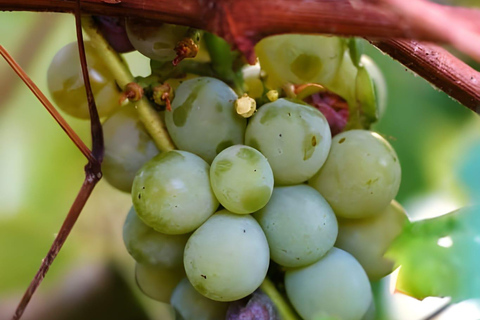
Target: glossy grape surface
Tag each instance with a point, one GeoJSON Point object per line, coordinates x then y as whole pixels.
{"type": "Point", "coordinates": [227, 258]}
{"type": "Point", "coordinates": [294, 137]}
{"type": "Point", "coordinates": [65, 82]}
{"type": "Point", "coordinates": [156, 282]}
{"type": "Point", "coordinates": [241, 179]}
{"type": "Point", "coordinates": [171, 193]}
{"type": "Point", "coordinates": [203, 118]}
{"type": "Point", "coordinates": [336, 286]}
{"type": "Point", "coordinates": [361, 175]}
{"type": "Point", "coordinates": [299, 224]}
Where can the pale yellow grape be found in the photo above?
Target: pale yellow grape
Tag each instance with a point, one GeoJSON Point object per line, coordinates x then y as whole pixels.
{"type": "Point", "coordinates": [227, 258]}
{"type": "Point", "coordinates": [368, 239]}
{"type": "Point", "coordinates": [361, 175]}
{"type": "Point", "coordinates": [65, 82]}
{"type": "Point", "coordinates": [191, 305]}
{"type": "Point", "coordinates": [336, 286]}
{"type": "Point", "coordinates": [156, 282]}
{"type": "Point", "coordinates": [241, 179]}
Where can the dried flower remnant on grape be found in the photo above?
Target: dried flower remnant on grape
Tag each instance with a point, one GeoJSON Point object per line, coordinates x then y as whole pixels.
{"type": "Point", "coordinates": [162, 95]}
{"type": "Point", "coordinates": [132, 92]}
{"type": "Point", "coordinates": [272, 95]}
{"type": "Point", "coordinates": [187, 48]}
{"type": "Point", "coordinates": [245, 106]}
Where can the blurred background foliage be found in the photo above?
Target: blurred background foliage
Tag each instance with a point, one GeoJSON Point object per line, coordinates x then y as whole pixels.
{"type": "Point", "coordinates": [437, 141]}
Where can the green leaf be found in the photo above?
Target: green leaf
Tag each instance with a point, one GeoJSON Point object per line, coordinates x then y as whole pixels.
{"type": "Point", "coordinates": [440, 256]}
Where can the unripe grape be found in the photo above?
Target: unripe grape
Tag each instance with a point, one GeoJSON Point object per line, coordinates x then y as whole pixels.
{"type": "Point", "coordinates": [157, 282]}
{"type": "Point", "coordinates": [65, 82]}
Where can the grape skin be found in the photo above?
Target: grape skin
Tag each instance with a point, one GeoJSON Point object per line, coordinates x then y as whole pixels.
{"type": "Point", "coordinates": [148, 246]}
{"type": "Point", "coordinates": [368, 239]}
{"type": "Point", "coordinates": [361, 175]}
{"type": "Point", "coordinates": [227, 258]}
{"type": "Point", "coordinates": [198, 104]}
{"type": "Point", "coordinates": [156, 282]}
{"type": "Point", "coordinates": [299, 224]}
{"type": "Point", "coordinates": [295, 138]}
{"type": "Point", "coordinates": [241, 179]}
{"type": "Point", "coordinates": [127, 148]}
{"type": "Point", "coordinates": [65, 82]}
{"type": "Point", "coordinates": [171, 193]}
{"type": "Point", "coordinates": [335, 286]}
{"type": "Point", "coordinates": [191, 305]}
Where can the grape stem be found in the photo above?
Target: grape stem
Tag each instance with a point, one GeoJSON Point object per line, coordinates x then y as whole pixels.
{"type": "Point", "coordinates": [117, 66]}
{"type": "Point", "coordinates": [284, 309]}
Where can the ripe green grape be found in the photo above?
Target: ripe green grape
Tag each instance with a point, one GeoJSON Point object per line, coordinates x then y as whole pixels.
{"type": "Point", "coordinates": [65, 82]}
{"type": "Point", "coordinates": [299, 224]}
{"type": "Point", "coordinates": [241, 179]}
{"type": "Point", "coordinates": [191, 305]}
{"type": "Point", "coordinates": [336, 286]}
{"type": "Point", "coordinates": [368, 239]}
{"type": "Point", "coordinates": [171, 193]}
{"type": "Point", "coordinates": [156, 282]}
{"type": "Point", "coordinates": [299, 59]}
{"type": "Point", "coordinates": [294, 137]}
{"type": "Point", "coordinates": [148, 246]}
{"type": "Point", "coordinates": [203, 118]}
{"type": "Point", "coordinates": [127, 148]}
{"type": "Point", "coordinates": [155, 40]}
{"type": "Point", "coordinates": [361, 175]}
{"type": "Point", "coordinates": [227, 258]}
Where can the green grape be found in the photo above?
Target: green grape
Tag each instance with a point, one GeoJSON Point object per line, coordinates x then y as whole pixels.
{"type": "Point", "coordinates": [361, 175]}
{"type": "Point", "coordinates": [299, 224]}
{"type": "Point", "coordinates": [148, 246]}
{"type": "Point", "coordinates": [379, 84]}
{"type": "Point", "coordinates": [171, 193]}
{"type": "Point", "coordinates": [127, 148]}
{"type": "Point", "coordinates": [336, 286]}
{"type": "Point", "coordinates": [65, 82]}
{"type": "Point", "coordinates": [203, 118]}
{"type": "Point", "coordinates": [299, 59]}
{"type": "Point", "coordinates": [241, 179]}
{"type": "Point", "coordinates": [156, 282]}
{"type": "Point", "coordinates": [155, 40]}
{"type": "Point", "coordinates": [191, 305]}
{"type": "Point", "coordinates": [368, 239]}
{"type": "Point", "coordinates": [294, 137]}
{"type": "Point", "coordinates": [227, 258]}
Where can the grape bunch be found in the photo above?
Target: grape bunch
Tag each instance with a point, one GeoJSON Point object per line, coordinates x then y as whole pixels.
{"type": "Point", "coordinates": [276, 173]}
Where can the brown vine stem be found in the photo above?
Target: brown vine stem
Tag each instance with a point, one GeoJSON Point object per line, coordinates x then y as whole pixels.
{"type": "Point", "coordinates": [92, 175]}
{"type": "Point", "coordinates": [244, 24]}
{"type": "Point", "coordinates": [439, 67]}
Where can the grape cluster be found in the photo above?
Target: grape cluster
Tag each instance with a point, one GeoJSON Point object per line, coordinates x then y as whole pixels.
{"type": "Point", "coordinates": [277, 190]}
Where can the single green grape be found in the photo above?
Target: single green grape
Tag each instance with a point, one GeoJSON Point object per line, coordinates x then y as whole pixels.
{"type": "Point", "coordinates": [191, 305]}
{"type": "Point", "coordinates": [361, 175]}
{"type": "Point", "coordinates": [227, 258]}
{"type": "Point", "coordinates": [299, 59]}
{"type": "Point", "coordinates": [148, 246]}
{"type": "Point", "coordinates": [171, 193]}
{"type": "Point", "coordinates": [368, 239]}
{"type": "Point", "coordinates": [295, 138]}
{"type": "Point", "coordinates": [241, 179]}
{"type": "Point", "coordinates": [155, 40]}
{"type": "Point", "coordinates": [128, 147]}
{"type": "Point", "coordinates": [157, 282]}
{"type": "Point", "coordinates": [65, 82]}
{"type": "Point", "coordinates": [335, 286]}
{"type": "Point", "coordinates": [299, 224]}
{"type": "Point", "coordinates": [203, 118]}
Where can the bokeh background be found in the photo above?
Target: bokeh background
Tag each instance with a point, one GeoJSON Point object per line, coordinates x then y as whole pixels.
{"type": "Point", "coordinates": [41, 171]}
